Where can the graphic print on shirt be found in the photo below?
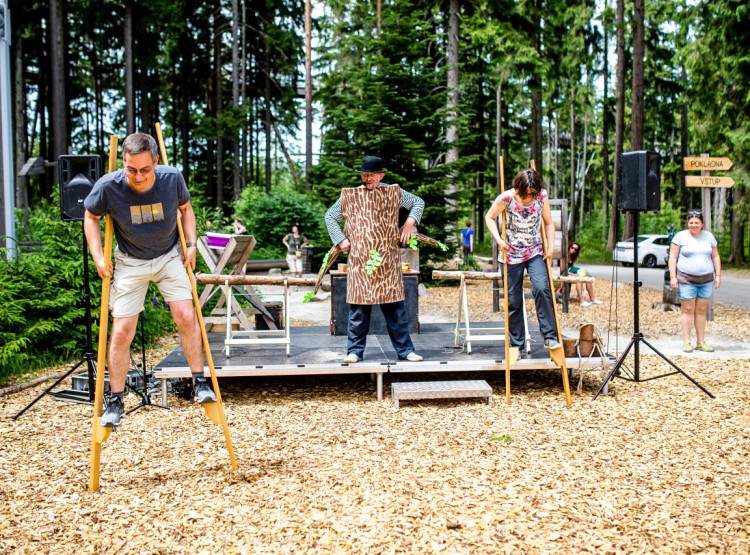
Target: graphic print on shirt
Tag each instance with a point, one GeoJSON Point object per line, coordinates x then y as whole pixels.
{"type": "Point", "coordinates": [524, 227]}
{"type": "Point", "coordinates": [146, 213]}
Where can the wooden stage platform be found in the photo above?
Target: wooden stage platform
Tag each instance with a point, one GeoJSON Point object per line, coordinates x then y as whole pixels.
{"type": "Point", "coordinates": [314, 351]}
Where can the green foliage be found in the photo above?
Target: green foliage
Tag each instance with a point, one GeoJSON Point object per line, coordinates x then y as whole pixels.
{"type": "Point", "coordinates": [374, 262]}
{"type": "Point", "coordinates": [42, 303]}
{"type": "Point", "coordinates": [270, 217]}
{"type": "Point", "coordinates": [505, 438]}
{"type": "Point", "coordinates": [308, 296]}
{"type": "Point", "coordinates": [470, 265]}
{"type": "Point", "coordinates": [413, 241]}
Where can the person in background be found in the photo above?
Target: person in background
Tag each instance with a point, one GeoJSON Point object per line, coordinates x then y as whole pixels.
{"type": "Point", "coordinates": [239, 229]}
{"type": "Point", "coordinates": [526, 206]}
{"type": "Point", "coordinates": [694, 270]}
{"type": "Point", "coordinates": [467, 240]}
{"type": "Point", "coordinates": [574, 250]}
{"type": "Point", "coordinates": [144, 201]}
{"type": "Point", "coordinates": [294, 242]}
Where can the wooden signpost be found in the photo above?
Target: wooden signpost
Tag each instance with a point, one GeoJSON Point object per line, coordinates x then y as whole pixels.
{"type": "Point", "coordinates": [706, 163]}
{"type": "Point", "coordinates": [701, 181]}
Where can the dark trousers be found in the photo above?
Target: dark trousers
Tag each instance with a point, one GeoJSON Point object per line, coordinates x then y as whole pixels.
{"type": "Point", "coordinates": [396, 319]}
{"type": "Point", "coordinates": [537, 269]}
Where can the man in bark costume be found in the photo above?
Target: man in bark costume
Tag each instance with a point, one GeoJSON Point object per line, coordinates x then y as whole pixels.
{"type": "Point", "coordinates": [372, 238]}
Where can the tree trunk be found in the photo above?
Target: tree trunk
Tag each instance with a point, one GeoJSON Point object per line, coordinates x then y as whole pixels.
{"type": "Point", "coordinates": [236, 183]}
{"type": "Point", "coordinates": [243, 97]}
{"type": "Point", "coordinates": [19, 126]}
{"type": "Point", "coordinates": [267, 114]}
{"type": "Point", "coordinates": [619, 124]}
{"type": "Point", "coordinates": [451, 132]}
{"type": "Point", "coordinates": [737, 237]}
{"type": "Point", "coordinates": [129, 72]}
{"type": "Point", "coordinates": [58, 81]}
{"type": "Point", "coordinates": [636, 116]}
{"type": "Point", "coordinates": [605, 130]}
{"type": "Point", "coordinates": [186, 63]}
{"type": "Point", "coordinates": [684, 193]}
{"type": "Point", "coordinates": [308, 91]}
{"type": "Point", "coordinates": [536, 93]}
{"type": "Point", "coordinates": [289, 161]}
{"type": "Point", "coordinates": [572, 210]}
{"type": "Point", "coordinates": [219, 113]}
{"type": "Point", "coordinates": [557, 160]}
{"type": "Point", "coordinates": [581, 201]}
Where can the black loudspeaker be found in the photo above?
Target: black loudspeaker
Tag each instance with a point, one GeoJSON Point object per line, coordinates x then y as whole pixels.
{"type": "Point", "coordinates": [639, 182]}
{"type": "Point", "coordinates": [77, 175]}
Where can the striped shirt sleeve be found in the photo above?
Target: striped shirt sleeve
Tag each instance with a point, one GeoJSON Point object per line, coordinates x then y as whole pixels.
{"type": "Point", "coordinates": [414, 204]}
{"type": "Point", "coordinates": [333, 218]}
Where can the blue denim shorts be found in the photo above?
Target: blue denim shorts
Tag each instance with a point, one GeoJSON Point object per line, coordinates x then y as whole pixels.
{"type": "Point", "coordinates": [688, 291]}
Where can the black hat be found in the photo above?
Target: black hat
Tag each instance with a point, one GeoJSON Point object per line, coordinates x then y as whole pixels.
{"type": "Point", "coordinates": [371, 164]}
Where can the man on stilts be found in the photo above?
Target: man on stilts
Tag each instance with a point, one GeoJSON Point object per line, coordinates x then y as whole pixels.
{"type": "Point", "coordinates": [143, 200]}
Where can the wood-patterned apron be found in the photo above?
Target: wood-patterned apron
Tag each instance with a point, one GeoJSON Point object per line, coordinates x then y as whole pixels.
{"type": "Point", "coordinates": [372, 223]}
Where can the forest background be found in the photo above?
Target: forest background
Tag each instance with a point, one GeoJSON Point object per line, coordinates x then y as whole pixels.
{"type": "Point", "coordinates": [438, 89]}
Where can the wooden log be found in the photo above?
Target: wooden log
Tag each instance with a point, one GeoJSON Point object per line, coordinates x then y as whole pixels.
{"type": "Point", "coordinates": [449, 274]}
{"type": "Point", "coordinates": [235, 279]}
{"type": "Point", "coordinates": [572, 278]}
{"type": "Point", "coordinates": [486, 276]}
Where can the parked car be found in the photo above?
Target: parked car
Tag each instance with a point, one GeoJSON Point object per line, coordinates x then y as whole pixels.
{"type": "Point", "coordinates": [653, 251]}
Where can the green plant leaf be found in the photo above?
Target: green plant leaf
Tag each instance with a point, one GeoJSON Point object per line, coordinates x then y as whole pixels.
{"type": "Point", "coordinates": [505, 438]}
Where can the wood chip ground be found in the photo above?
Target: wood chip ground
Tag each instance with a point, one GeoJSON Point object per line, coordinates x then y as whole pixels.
{"type": "Point", "coordinates": [655, 467]}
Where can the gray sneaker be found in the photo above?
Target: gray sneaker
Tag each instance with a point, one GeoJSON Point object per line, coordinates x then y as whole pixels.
{"type": "Point", "coordinates": [551, 344]}
{"type": "Point", "coordinates": [202, 392]}
{"type": "Point", "coordinates": [114, 412]}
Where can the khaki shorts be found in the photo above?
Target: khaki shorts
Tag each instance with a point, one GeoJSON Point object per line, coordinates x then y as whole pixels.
{"type": "Point", "coordinates": [132, 276]}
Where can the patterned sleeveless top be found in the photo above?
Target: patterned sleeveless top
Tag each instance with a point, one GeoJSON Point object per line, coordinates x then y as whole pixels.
{"type": "Point", "coordinates": [524, 226]}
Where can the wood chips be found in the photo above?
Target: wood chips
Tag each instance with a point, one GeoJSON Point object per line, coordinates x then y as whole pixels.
{"type": "Point", "coordinates": [654, 467]}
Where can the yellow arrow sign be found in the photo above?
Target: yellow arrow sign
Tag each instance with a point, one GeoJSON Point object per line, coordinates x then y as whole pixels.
{"type": "Point", "coordinates": [708, 181]}
{"type": "Point", "coordinates": [706, 163]}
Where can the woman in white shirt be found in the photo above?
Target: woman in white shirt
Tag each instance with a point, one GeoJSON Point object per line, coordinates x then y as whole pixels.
{"type": "Point", "coordinates": [694, 270]}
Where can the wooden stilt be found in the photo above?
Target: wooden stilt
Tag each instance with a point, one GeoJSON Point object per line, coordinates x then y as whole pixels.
{"type": "Point", "coordinates": [214, 411]}
{"type": "Point", "coordinates": [557, 355]}
{"type": "Point", "coordinates": [511, 353]}
{"type": "Point", "coordinates": [101, 433]}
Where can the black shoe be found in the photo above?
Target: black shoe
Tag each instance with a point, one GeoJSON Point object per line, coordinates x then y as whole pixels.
{"type": "Point", "coordinates": [114, 412]}
{"type": "Point", "coordinates": [202, 392]}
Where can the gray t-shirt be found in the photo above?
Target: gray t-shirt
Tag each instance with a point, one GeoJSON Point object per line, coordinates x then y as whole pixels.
{"type": "Point", "coordinates": [145, 224]}
{"type": "Point", "coordinates": [695, 252]}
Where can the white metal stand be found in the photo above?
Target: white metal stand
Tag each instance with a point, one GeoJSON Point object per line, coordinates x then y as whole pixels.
{"type": "Point", "coordinates": [254, 336]}
{"type": "Point", "coordinates": [482, 334]}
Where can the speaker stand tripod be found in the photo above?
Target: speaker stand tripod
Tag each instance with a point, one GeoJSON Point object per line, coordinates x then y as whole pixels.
{"type": "Point", "coordinates": [638, 338]}
{"type": "Point", "coordinates": [89, 357]}
{"type": "Point", "coordinates": [145, 397]}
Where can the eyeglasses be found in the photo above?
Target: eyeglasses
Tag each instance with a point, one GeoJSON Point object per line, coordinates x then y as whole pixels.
{"type": "Point", "coordinates": [142, 171]}
{"type": "Point", "coordinates": [695, 212]}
